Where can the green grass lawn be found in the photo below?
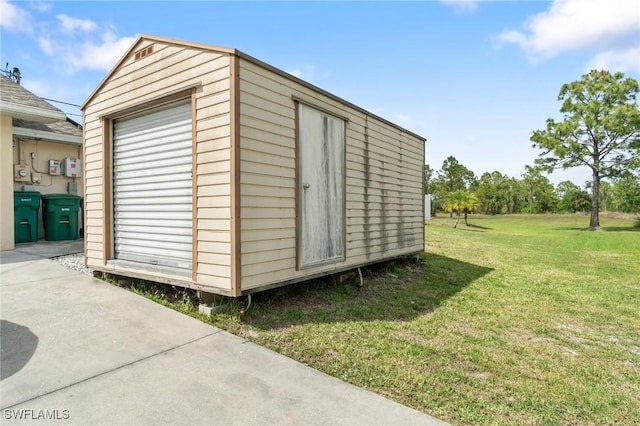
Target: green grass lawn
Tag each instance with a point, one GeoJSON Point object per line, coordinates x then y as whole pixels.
{"type": "Point", "coordinates": [511, 320]}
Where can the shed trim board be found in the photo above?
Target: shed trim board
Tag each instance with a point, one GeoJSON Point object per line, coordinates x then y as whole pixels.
{"type": "Point", "coordinates": [194, 186]}
{"type": "Point", "coordinates": [84, 185]}
{"type": "Point", "coordinates": [174, 95]}
{"type": "Point", "coordinates": [236, 242]}
{"type": "Point", "coordinates": [319, 107]}
{"type": "Point", "coordinates": [107, 192]}
{"type": "Point", "coordinates": [245, 150]}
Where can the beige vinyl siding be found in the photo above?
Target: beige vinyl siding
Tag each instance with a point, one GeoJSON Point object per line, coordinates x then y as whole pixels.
{"type": "Point", "coordinates": [93, 190]}
{"type": "Point", "coordinates": [385, 200]}
{"type": "Point", "coordinates": [169, 69]}
{"type": "Point", "coordinates": [384, 193]}
{"type": "Point", "coordinates": [267, 181]}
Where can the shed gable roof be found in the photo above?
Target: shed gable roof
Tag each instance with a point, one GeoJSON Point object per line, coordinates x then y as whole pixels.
{"type": "Point", "coordinates": [145, 37]}
{"type": "Point", "coordinates": [135, 46]}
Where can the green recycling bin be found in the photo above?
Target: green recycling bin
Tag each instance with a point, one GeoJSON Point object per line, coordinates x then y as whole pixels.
{"type": "Point", "coordinates": [25, 216]}
{"type": "Point", "coordinates": [60, 216]}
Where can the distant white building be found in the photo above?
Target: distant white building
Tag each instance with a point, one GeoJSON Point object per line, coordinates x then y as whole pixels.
{"type": "Point", "coordinates": [427, 207]}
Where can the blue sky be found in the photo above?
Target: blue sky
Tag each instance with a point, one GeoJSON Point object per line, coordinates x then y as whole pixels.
{"type": "Point", "coordinates": [473, 77]}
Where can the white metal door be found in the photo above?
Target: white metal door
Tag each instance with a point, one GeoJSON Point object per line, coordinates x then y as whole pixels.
{"type": "Point", "coordinates": [152, 186]}
{"type": "Point", "coordinates": [321, 192]}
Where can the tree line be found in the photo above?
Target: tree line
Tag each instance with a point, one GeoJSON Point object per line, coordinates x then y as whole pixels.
{"type": "Point", "coordinates": [454, 186]}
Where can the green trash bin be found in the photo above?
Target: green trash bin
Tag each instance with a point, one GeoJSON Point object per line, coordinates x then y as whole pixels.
{"type": "Point", "coordinates": [25, 216]}
{"type": "Point", "coordinates": [60, 216]}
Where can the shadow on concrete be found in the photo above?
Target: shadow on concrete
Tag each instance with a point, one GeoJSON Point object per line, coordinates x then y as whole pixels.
{"type": "Point", "coordinates": [17, 346]}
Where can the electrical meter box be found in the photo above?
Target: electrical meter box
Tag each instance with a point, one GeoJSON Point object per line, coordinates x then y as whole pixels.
{"type": "Point", "coordinates": [72, 167]}
{"type": "Point", "coordinates": [54, 167]}
{"type": "Point", "coordinates": [22, 173]}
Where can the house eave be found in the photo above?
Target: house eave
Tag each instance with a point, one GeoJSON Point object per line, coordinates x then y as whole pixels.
{"type": "Point", "coordinates": [30, 113]}
{"type": "Point", "coordinates": [49, 136]}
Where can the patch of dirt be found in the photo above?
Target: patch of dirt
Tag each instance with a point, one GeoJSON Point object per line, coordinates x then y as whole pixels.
{"type": "Point", "coordinates": [410, 335]}
{"type": "Point", "coordinates": [527, 335]}
{"type": "Point", "coordinates": [570, 333]}
{"type": "Point", "coordinates": [480, 375]}
{"type": "Point", "coordinates": [569, 351]}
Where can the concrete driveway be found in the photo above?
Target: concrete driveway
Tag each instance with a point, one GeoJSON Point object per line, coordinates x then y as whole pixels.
{"type": "Point", "coordinates": [75, 350]}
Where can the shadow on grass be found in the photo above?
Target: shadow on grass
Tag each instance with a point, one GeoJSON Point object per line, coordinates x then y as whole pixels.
{"type": "Point", "coordinates": [601, 229]}
{"type": "Point", "coordinates": [393, 291]}
{"type": "Point", "coordinates": [621, 228]}
{"type": "Point", "coordinates": [474, 227]}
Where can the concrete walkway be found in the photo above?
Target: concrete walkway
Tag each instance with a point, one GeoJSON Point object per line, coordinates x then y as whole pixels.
{"type": "Point", "coordinates": [76, 350]}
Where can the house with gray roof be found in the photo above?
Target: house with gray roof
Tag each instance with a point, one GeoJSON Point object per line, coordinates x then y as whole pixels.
{"type": "Point", "coordinates": [35, 137]}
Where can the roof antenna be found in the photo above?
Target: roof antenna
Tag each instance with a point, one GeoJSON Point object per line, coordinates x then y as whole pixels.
{"type": "Point", "coordinates": [14, 74]}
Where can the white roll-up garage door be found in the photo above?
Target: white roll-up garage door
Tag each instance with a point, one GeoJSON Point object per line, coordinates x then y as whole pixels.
{"type": "Point", "coordinates": [152, 186]}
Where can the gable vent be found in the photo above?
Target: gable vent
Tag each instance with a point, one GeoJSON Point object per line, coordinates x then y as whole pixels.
{"type": "Point", "coordinates": [144, 52]}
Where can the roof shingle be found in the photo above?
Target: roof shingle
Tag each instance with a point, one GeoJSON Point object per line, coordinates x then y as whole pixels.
{"type": "Point", "coordinates": [11, 92]}
{"type": "Point", "coordinates": [62, 127]}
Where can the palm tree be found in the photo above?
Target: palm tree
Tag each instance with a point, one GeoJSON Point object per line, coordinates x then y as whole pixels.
{"type": "Point", "coordinates": [461, 202]}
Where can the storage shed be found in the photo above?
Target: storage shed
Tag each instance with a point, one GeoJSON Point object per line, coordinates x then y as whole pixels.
{"type": "Point", "coordinates": [207, 168]}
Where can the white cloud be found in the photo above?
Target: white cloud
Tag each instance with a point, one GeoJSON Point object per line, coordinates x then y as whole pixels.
{"type": "Point", "coordinates": [14, 18]}
{"type": "Point", "coordinates": [573, 25]}
{"type": "Point", "coordinates": [71, 43]}
{"type": "Point", "coordinates": [41, 6]}
{"type": "Point", "coordinates": [296, 72]}
{"type": "Point", "coordinates": [399, 118]}
{"type": "Point", "coordinates": [306, 72]}
{"type": "Point", "coordinates": [75, 44]}
{"type": "Point", "coordinates": [310, 73]}
{"type": "Point", "coordinates": [462, 6]}
{"type": "Point", "coordinates": [46, 46]}
{"type": "Point", "coordinates": [617, 60]}
{"type": "Point", "coordinates": [69, 25]}
{"type": "Point", "coordinates": [101, 54]}
{"type": "Point", "coordinates": [403, 120]}
{"type": "Point", "coordinates": [93, 51]}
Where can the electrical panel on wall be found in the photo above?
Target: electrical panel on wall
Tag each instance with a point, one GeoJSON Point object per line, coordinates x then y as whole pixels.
{"type": "Point", "coordinates": [22, 173]}
{"type": "Point", "coordinates": [72, 167]}
{"type": "Point", "coordinates": [54, 167]}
